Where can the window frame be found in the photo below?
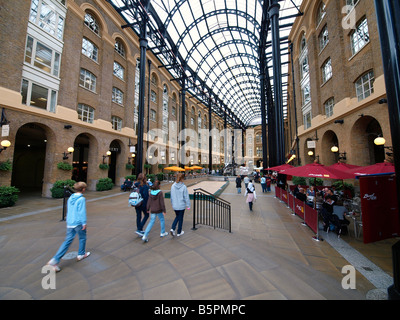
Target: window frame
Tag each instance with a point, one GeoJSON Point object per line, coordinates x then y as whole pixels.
{"type": "Point", "coordinates": [27, 98]}
{"type": "Point", "coordinates": [84, 108]}
{"type": "Point", "coordinates": [88, 76]}
{"type": "Point", "coordinates": [361, 82]}
{"type": "Point", "coordinates": [358, 44]}
{"type": "Point", "coordinates": [91, 54]}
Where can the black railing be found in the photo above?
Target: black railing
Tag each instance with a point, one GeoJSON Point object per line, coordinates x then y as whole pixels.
{"type": "Point", "coordinates": [211, 210]}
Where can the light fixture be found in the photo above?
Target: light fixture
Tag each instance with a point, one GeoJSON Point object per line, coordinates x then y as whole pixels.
{"type": "Point", "coordinates": [65, 154]}
{"type": "Point", "coordinates": [310, 153]}
{"type": "Point", "coordinates": [5, 144]}
{"type": "Point", "coordinates": [379, 141]}
{"type": "Point", "coordinates": [342, 155]}
{"type": "Point", "coordinates": [108, 153]}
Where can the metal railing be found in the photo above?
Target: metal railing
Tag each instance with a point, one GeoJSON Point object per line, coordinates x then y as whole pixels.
{"type": "Point", "coordinates": [211, 210]}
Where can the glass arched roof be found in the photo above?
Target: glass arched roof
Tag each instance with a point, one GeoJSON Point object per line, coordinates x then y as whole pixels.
{"type": "Point", "coordinates": [215, 44]}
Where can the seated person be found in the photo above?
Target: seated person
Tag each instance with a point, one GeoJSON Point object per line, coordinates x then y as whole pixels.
{"type": "Point", "coordinates": [326, 212]}
{"type": "Point", "coordinates": [301, 195]}
{"type": "Point", "coordinates": [127, 185]}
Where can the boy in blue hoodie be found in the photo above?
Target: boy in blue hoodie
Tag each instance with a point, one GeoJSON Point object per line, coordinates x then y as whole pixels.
{"type": "Point", "coordinates": [76, 224]}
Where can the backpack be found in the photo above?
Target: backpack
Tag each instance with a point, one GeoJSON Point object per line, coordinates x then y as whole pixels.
{"type": "Point", "coordinates": [135, 198]}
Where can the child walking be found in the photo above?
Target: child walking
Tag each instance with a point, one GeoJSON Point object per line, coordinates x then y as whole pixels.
{"type": "Point", "coordinates": [76, 224]}
{"type": "Point", "coordinates": [156, 208]}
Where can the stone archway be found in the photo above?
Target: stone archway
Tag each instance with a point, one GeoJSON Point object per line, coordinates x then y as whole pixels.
{"type": "Point", "coordinates": [329, 139]}
{"type": "Point", "coordinates": [32, 157]}
{"type": "Point", "coordinates": [362, 136]}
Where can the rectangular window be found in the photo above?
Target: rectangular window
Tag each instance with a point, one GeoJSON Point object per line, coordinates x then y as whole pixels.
{"type": "Point", "coordinates": [117, 96]}
{"type": "Point", "coordinates": [89, 49]}
{"type": "Point", "coordinates": [327, 71]}
{"type": "Point", "coordinates": [116, 123]}
{"type": "Point", "coordinates": [365, 85]}
{"type": "Point", "coordinates": [329, 107]}
{"type": "Point", "coordinates": [307, 120]}
{"type": "Point", "coordinates": [323, 38]}
{"type": "Point", "coordinates": [305, 92]}
{"type": "Point", "coordinates": [35, 95]}
{"type": "Point", "coordinates": [47, 18]}
{"type": "Point", "coordinates": [360, 37]}
{"type": "Point", "coordinates": [153, 115]}
{"type": "Point", "coordinates": [87, 80]}
{"type": "Point", "coordinates": [85, 113]}
{"type": "Point", "coordinates": [118, 70]}
{"type": "Point", "coordinates": [153, 96]}
{"type": "Point", "coordinates": [42, 57]}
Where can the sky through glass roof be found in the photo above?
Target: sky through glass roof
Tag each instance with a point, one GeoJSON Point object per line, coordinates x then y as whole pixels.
{"type": "Point", "coordinates": [219, 42]}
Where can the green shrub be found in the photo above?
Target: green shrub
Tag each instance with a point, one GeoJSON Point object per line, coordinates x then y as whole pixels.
{"type": "Point", "coordinates": [129, 166]}
{"type": "Point", "coordinates": [152, 177]}
{"type": "Point", "coordinates": [8, 196]}
{"type": "Point", "coordinates": [131, 176]}
{"type": "Point", "coordinates": [104, 166]}
{"type": "Point", "coordinates": [160, 177]}
{"type": "Point", "coordinates": [104, 184]}
{"type": "Point", "coordinates": [57, 191]}
{"type": "Point", "coordinates": [299, 180]}
{"type": "Point", "coordinates": [64, 166]}
{"type": "Point", "coordinates": [6, 165]}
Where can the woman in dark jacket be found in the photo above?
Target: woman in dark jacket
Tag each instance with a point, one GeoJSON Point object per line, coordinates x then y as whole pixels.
{"type": "Point", "coordinates": [144, 191]}
{"type": "Point", "coordinates": [156, 208]}
{"type": "Point", "coordinates": [239, 184]}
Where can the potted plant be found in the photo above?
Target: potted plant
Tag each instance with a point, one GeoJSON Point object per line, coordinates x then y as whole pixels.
{"type": "Point", "coordinates": [8, 196]}
{"type": "Point", "coordinates": [64, 166]}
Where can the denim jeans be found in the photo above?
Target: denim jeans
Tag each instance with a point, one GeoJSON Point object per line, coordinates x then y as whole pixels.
{"type": "Point", "coordinates": [153, 217]}
{"type": "Point", "coordinates": [139, 221]}
{"type": "Point", "coordinates": [178, 220]}
{"type": "Point", "coordinates": [71, 233]}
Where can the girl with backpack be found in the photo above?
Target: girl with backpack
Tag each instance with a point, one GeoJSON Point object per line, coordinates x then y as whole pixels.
{"type": "Point", "coordinates": [141, 209]}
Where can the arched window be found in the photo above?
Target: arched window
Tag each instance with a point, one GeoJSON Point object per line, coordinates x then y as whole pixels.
{"type": "Point", "coordinates": [320, 13]}
{"type": "Point", "coordinates": [165, 109]}
{"type": "Point", "coordinates": [91, 23]}
{"type": "Point", "coordinates": [119, 47]}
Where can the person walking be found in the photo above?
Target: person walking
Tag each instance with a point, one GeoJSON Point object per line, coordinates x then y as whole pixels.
{"type": "Point", "coordinates": [76, 224]}
{"type": "Point", "coordinates": [264, 184]}
{"type": "Point", "coordinates": [246, 181]}
{"type": "Point", "coordinates": [141, 211]}
{"type": "Point", "coordinates": [251, 194]}
{"type": "Point", "coordinates": [239, 184]}
{"type": "Point", "coordinates": [156, 208]}
{"type": "Point", "coordinates": [179, 200]}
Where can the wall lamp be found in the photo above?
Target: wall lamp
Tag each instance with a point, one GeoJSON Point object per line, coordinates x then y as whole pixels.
{"type": "Point", "coordinates": [380, 141]}
{"type": "Point", "coordinates": [5, 144]}
{"type": "Point", "coordinates": [108, 153]}
{"type": "Point", "coordinates": [65, 154]}
{"type": "Point", "coordinates": [342, 155]}
{"type": "Point", "coordinates": [131, 158]}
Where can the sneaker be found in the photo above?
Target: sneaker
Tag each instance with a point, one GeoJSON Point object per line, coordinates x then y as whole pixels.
{"type": "Point", "coordinates": [53, 263]}
{"type": "Point", "coordinates": [163, 234]}
{"type": "Point", "coordinates": [182, 232]}
{"type": "Point", "coordinates": [172, 232]}
{"type": "Point", "coordinates": [144, 239]}
{"type": "Point", "coordinates": [139, 233]}
{"type": "Point", "coordinates": [83, 256]}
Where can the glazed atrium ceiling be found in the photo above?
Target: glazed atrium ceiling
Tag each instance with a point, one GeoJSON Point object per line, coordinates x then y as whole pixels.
{"type": "Point", "coordinates": [216, 45]}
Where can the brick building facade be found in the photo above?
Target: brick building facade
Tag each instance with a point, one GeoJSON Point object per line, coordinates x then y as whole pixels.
{"type": "Point", "coordinates": [338, 83]}
{"type": "Point", "coordinates": [70, 79]}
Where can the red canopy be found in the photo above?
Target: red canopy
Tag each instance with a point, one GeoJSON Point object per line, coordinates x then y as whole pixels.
{"type": "Point", "coordinates": [279, 168]}
{"type": "Point", "coordinates": [316, 170]}
{"type": "Point", "coordinates": [343, 166]}
{"type": "Point", "coordinates": [382, 167]}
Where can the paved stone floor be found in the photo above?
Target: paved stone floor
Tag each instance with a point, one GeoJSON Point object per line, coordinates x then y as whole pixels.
{"type": "Point", "coordinates": [268, 255]}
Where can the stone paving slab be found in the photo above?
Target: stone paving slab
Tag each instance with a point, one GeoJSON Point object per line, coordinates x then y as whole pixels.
{"type": "Point", "coordinates": [268, 255]}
